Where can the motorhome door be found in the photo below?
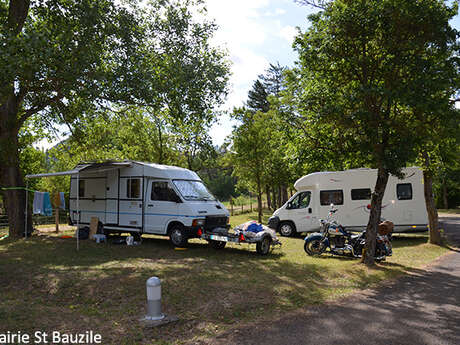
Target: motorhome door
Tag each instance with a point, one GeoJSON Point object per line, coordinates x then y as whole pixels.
{"type": "Point", "coordinates": [131, 202]}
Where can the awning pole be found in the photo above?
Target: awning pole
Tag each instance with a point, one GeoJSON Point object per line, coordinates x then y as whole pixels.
{"type": "Point", "coordinates": [27, 207]}
{"type": "Point", "coordinates": [78, 211]}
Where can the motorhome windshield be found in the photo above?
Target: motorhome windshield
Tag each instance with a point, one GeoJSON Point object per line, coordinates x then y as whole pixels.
{"type": "Point", "coordinates": [193, 190]}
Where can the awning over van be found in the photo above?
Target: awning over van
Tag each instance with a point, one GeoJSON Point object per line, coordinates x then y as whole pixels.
{"type": "Point", "coordinates": [90, 167]}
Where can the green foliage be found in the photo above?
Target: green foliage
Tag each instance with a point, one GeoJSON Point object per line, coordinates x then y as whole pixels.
{"type": "Point", "coordinates": [362, 68]}
{"type": "Point", "coordinates": [74, 58]}
{"type": "Point", "coordinates": [251, 150]}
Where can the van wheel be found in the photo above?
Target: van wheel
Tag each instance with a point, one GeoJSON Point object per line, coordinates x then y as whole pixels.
{"type": "Point", "coordinates": [286, 229]}
{"type": "Point", "coordinates": [177, 236]}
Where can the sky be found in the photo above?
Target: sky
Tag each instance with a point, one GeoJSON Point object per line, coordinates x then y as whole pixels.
{"type": "Point", "coordinates": [255, 34]}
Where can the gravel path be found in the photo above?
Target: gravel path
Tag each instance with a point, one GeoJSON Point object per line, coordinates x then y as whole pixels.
{"type": "Point", "coordinates": [422, 308]}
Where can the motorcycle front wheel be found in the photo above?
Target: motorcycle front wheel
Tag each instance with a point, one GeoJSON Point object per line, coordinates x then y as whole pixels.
{"type": "Point", "coordinates": [314, 247]}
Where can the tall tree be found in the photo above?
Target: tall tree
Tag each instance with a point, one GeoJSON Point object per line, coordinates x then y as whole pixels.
{"type": "Point", "coordinates": [62, 60]}
{"type": "Point", "coordinates": [258, 98]}
{"type": "Point", "coordinates": [440, 130]}
{"type": "Point", "coordinates": [251, 152]}
{"type": "Point", "coordinates": [362, 66]}
{"type": "Point", "coordinates": [271, 83]}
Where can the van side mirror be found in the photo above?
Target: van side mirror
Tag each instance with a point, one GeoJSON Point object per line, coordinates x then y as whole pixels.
{"type": "Point", "coordinates": [289, 205]}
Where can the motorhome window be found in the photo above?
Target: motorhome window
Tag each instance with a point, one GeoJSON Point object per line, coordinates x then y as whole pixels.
{"type": "Point", "coordinates": [161, 191]}
{"type": "Point", "coordinates": [404, 191]}
{"type": "Point", "coordinates": [361, 194]}
{"type": "Point", "coordinates": [81, 188]}
{"type": "Point", "coordinates": [133, 190]}
{"type": "Point", "coordinates": [193, 190]}
{"type": "Point", "coordinates": [328, 197]}
{"type": "Point", "coordinates": [301, 200]}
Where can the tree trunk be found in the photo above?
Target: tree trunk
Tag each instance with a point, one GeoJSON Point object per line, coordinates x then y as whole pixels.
{"type": "Point", "coordinates": [275, 206]}
{"type": "Point", "coordinates": [14, 199]}
{"type": "Point", "coordinates": [374, 217]}
{"type": "Point", "coordinates": [17, 14]}
{"type": "Point", "coordinates": [259, 203]}
{"type": "Point", "coordinates": [269, 199]}
{"type": "Point", "coordinates": [278, 197]}
{"type": "Point", "coordinates": [284, 197]}
{"type": "Point", "coordinates": [435, 235]}
{"type": "Point", "coordinates": [10, 173]}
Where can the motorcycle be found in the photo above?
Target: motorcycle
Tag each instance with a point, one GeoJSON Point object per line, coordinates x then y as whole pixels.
{"type": "Point", "coordinates": [339, 241]}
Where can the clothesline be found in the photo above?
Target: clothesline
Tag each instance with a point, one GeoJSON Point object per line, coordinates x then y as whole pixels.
{"type": "Point", "coordinates": [18, 188]}
{"type": "Point", "coordinates": [24, 188]}
{"type": "Point", "coordinates": [42, 202]}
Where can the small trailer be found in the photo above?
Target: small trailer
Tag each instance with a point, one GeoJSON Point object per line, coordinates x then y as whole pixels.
{"type": "Point", "coordinates": [265, 239]}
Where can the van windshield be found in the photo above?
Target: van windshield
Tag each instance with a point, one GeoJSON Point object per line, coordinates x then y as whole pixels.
{"type": "Point", "coordinates": [193, 190]}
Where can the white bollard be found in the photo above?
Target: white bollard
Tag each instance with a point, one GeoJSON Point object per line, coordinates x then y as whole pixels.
{"type": "Point", "coordinates": [154, 299]}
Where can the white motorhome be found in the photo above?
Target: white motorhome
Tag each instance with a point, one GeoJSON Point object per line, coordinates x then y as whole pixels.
{"type": "Point", "coordinates": [144, 198]}
{"type": "Point", "coordinates": [350, 191]}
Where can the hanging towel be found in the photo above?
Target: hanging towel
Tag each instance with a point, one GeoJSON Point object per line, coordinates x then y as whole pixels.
{"type": "Point", "coordinates": [62, 203]}
{"type": "Point", "coordinates": [38, 203]}
{"type": "Point", "coordinates": [47, 208]}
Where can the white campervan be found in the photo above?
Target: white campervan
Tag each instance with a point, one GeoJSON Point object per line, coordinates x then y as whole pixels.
{"type": "Point", "coordinates": [144, 198]}
{"type": "Point", "coordinates": [350, 192]}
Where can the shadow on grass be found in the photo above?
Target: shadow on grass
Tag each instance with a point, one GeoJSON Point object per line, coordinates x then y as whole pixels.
{"type": "Point", "coordinates": [48, 285]}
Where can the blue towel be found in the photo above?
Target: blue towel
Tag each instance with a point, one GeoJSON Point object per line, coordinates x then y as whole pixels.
{"type": "Point", "coordinates": [255, 227]}
{"type": "Point", "coordinates": [47, 208]}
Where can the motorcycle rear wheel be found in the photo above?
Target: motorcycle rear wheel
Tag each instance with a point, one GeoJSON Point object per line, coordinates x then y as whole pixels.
{"type": "Point", "coordinates": [314, 247]}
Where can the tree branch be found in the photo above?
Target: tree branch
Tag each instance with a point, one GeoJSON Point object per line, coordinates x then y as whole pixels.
{"type": "Point", "coordinates": [28, 113]}
{"type": "Point", "coordinates": [321, 4]}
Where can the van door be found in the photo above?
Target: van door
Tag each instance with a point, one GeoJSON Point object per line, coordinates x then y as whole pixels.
{"type": "Point", "coordinates": [300, 211]}
{"type": "Point", "coordinates": [161, 206]}
{"type": "Point", "coordinates": [131, 202]}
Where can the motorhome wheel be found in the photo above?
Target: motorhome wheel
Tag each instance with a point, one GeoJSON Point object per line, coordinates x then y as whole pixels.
{"type": "Point", "coordinates": [286, 229]}
{"type": "Point", "coordinates": [177, 236]}
{"type": "Point", "coordinates": [263, 247]}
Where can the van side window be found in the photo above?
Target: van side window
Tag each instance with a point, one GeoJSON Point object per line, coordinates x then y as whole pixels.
{"type": "Point", "coordinates": [328, 197]}
{"type": "Point", "coordinates": [361, 194]}
{"type": "Point", "coordinates": [81, 188]}
{"type": "Point", "coordinates": [133, 188]}
{"type": "Point", "coordinates": [161, 191]}
{"type": "Point", "coordinates": [404, 191]}
{"type": "Point", "coordinates": [302, 200]}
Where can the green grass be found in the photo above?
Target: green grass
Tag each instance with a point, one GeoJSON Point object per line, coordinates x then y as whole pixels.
{"type": "Point", "coordinates": [47, 285]}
